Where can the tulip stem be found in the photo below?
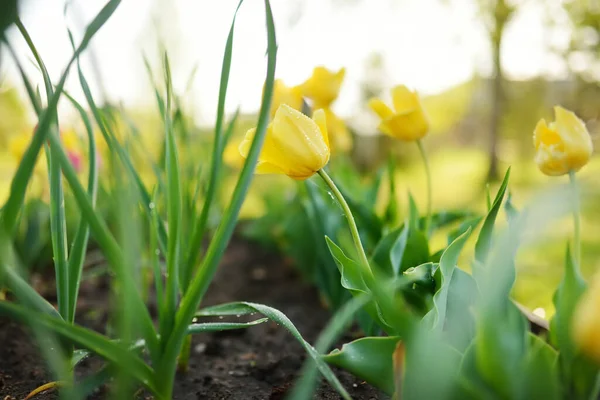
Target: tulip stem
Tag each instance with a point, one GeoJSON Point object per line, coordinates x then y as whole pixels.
{"type": "Point", "coordinates": [349, 217]}
{"type": "Point", "coordinates": [576, 217]}
{"type": "Point", "coordinates": [428, 173]}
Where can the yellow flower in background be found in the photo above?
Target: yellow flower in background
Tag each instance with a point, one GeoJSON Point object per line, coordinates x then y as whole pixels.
{"type": "Point", "coordinates": [407, 121]}
{"type": "Point", "coordinates": [323, 86]}
{"type": "Point", "coordinates": [283, 94]}
{"type": "Point", "coordinates": [586, 322]}
{"type": "Point", "coordinates": [232, 156]}
{"type": "Point", "coordinates": [339, 137]}
{"type": "Point", "coordinates": [295, 145]}
{"type": "Point", "coordinates": [563, 145]}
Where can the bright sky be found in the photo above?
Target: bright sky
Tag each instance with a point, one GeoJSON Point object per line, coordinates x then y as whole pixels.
{"type": "Point", "coordinates": [424, 44]}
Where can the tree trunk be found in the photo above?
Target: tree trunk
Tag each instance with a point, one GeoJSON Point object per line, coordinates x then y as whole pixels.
{"type": "Point", "coordinates": [497, 97]}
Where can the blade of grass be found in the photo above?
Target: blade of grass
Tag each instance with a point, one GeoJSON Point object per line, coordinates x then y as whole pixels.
{"type": "Point", "coordinates": [58, 225]}
{"type": "Point", "coordinates": [217, 155]}
{"type": "Point", "coordinates": [109, 246]}
{"type": "Point", "coordinates": [79, 246]}
{"type": "Point", "coordinates": [241, 308]}
{"type": "Point", "coordinates": [116, 147]}
{"type": "Point", "coordinates": [24, 171]}
{"type": "Point", "coordinates": [201, 281]}
{"type": "Point", "coordinates": [222, 326]}
{"type": "Point", "coordinates": [104, 347]}
{"type": "Point", "coordinates": [173, 215]}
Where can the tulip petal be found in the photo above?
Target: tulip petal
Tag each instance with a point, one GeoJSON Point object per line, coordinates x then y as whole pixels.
{"type": "Point", "coordinates": [320, 118]}
{"type": "Point", "coordinates": [404, 100]}
{"type": "Point", "coordinates": [380, 108]}
{"type": "Point", "coordinates": [570, 128]}
{"type": "Point", "coordinates": [543, 135]}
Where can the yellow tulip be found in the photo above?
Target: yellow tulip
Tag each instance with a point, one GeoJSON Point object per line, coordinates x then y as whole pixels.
{"type": "Point", "coordinates": [339, 137]}
{"type": "Point", "coordinates": [586, 322]}
{"type": "Point", "coordinates": [563, 145]}
{"type": "Point", "coordinates": [294, 145]}
{"type": "Point", "coordinates": [407, 121]}
{"type": "Point", "coordinates": [232, 156]}
{"type": "Point", "coordinates": [323, 86]}
{"type": "Point", "coordinates": [283, 94]}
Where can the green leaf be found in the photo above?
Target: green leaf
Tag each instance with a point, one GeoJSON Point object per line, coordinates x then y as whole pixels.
{"type": "Point", "coordinates": [436, 318]}
{"type": "Point", "coordinates": [410, 249]}
{"type": "Point", "coordinates": [467, 224]}
{"type": "Point", "coordinates": [484, 241]}
{"type": "Point", "coordinates": [565, 300]}
{"type": "Point", "coordinates": [381, 256]}
{"type": "Point", "coordinates": [350, 271]}
{"type": "Point", "coordinates": [243, 308]}
{"type": "Point", "coordinates": [413, 214]}
{"type": "Point", "coordinates": [78, 356]}
{"type": "Point", "coordinates": [459, 327]}
{"type": "Point", "coordinates": [173, 218]}
{"type": "Point", "coordinates": [368, 358]}
{"type": "Point", "coordinates": [430, 367]}
{"type": "Point", "coordinates": [222, 326]}
{"type": "Point", "coordinates": [201, 281]}
{"type": "Point", "coordinates": [501, 344]}
{"type": "Point", "coordinates": [579, 375]}
{"type": "Point", "coordinates": [338, 324]}
{"type": "Point", "coordinates": [79, 246]}
{"type": "Point", "coordinates": [216, 160]}
{"type": "Point", "coordinates": [24, 171]}
{"type": "Point", "coordinates": [540, 379]}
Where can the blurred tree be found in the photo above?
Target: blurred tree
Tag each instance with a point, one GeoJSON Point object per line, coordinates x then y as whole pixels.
{"type": "Point", "coordinates": [584, 48]}
{"type": "Point", "coordinates": [496, 14]}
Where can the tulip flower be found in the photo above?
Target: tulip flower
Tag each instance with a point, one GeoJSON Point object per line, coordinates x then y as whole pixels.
{"type": "Point", "coordinates": [339, 137]}
{"type": "Point", "coordinates": [283, 94]}
{"type": "Point", "coordinates": [407, 121]}
{"type": "Point", "coordinates": [586, 322]}
{"type": "Point", "coordinates": [295, 145]}
{"type": "Point", "coordinates": [232, 156]}
{"type": "Point", "coordinates": [323, 86]}
{"type": "Point", "coordinates": [562, 146]}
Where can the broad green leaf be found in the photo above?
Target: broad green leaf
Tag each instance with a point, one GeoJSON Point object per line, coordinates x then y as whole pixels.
{"type": "Point", "coordinates": [565, 299]}
{"type": "Point", "coordinates": [350, 271]}
{"type": "Point", "coordinates": [509, 208]}
{"type": "Point", "coordinates": [436, 318]}
{"type": "Point", "coordinates": [444, 218]}
{"type": "Point", "coordinates": [459, 327]}
{"type": "Point", "coordinates": [368, 358]}
{"type": "Point", "coordinates": [579, 375]}
{"type": "Point", "coordinates": [243, 308]}
{"type": "Point", "coordinates": [501, 343]}
{"type": "Point", "coordinates": [413, 214]}
{"type": "Point", "coordinates": [540, 379]}
{"type": "Point", "coordinates": [201, 327]}
{"type": "Point", "coordinates": [381, 256]}
{"type": "Point", "coordinates": [430, 367]}
{"type": "Point", "coordinates": [470, 223]}
{"type": "Point", "coordinates": [410, 249]}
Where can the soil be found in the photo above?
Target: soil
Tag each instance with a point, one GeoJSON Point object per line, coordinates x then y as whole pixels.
{"type": "Point", "coordinates": [261, 362]}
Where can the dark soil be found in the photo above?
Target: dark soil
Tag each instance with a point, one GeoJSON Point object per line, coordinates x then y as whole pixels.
{"type": "Point", "coordinates": [261, 362]}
